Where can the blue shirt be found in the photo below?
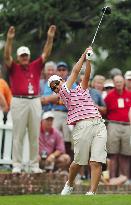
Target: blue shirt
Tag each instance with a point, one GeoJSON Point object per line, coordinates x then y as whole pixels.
{"type": "Point", "coordinates": [45, 90]}
{"type": "Point", "coordinates": [96, 97]}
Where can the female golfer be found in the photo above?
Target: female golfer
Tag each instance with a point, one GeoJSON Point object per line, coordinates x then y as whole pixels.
{"type": "Point", "coordinates": [89, 134]}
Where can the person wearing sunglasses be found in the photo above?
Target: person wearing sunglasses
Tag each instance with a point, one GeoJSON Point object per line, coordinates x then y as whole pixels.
{"type": "Point", "coordinates": [89, 134]}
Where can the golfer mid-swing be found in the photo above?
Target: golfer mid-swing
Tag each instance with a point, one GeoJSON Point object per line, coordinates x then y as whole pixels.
{"type": "Point", "coordinates": [89, 134]}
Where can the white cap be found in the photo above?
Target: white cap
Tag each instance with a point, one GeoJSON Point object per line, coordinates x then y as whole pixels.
{"type": "Point", "coordinates": [53, 78]}
{"type": "Point", "coordinates": [46, 115]}
{"type": "Point", "coordinates": [23, 50]}
{"type": "Point", "coordinates": [108, 84]}
{"type": "Point", "coordinates": [128, 75]}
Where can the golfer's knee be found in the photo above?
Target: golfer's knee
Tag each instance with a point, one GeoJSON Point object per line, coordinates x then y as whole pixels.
{"type": "Point", "coordinates": [95, 164]}
{"type": "Point", "coordinates": [74, 166]}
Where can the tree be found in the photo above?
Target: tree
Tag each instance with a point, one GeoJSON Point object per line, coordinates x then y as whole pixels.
{"type": "Point", "coordinates": [76, 22]}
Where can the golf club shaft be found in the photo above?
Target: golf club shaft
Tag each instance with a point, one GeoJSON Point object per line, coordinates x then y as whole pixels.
{"type": "Point", "coordinates": [98, 27]}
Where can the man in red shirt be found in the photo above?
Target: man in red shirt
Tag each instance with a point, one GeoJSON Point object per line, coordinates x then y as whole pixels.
{"type": "Point", "coordinates": [25, 106]}
{"type": "Point", "coordinates": [118, 102]}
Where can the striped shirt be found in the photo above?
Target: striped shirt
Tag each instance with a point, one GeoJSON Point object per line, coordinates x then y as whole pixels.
{"type": "Point", "coordinates": [79, 104]}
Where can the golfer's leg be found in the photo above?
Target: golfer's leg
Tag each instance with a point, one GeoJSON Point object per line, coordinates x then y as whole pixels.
{"type": "Point", "coordinates": [96, 170]}
{"type": "Point", "coordinates": [73, 170]}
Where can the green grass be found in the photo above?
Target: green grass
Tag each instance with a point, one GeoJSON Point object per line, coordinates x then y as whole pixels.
{"type": "Point", "coordinates": [66, 200]}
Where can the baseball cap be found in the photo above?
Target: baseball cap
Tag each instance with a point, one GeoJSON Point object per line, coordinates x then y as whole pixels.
{"type": "Point", "coordinates": [62, 64]}
{"type": "Point", "coordinates": [108, 83]}
{"type": "Point", "coordinates": [127, 75]}
{"type": "Point", "coordinates": [53, 78]}
{"type": "Point", "coordinates": [23, 50]}
{"type": "Point", "coordinates": [47, 115]}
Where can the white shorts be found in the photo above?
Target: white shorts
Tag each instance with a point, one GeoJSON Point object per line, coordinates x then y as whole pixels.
{"type": "Point", "coordinates": [90, 137]}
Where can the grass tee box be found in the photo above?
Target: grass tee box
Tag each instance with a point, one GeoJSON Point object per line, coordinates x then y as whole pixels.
{"type": "Point", "coordinates": [66, 200]}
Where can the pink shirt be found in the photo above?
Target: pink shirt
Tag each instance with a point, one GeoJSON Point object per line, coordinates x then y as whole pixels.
{"type": "Point", "coordinates": [79, 104]}
{"type": "Point", "coordinates": [51, 141]}
{"type": "Point", "coordinates": [20, 77]}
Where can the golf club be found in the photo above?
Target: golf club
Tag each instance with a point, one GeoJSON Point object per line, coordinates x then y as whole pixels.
{"type": "Point", "coordinates": [105, 10]}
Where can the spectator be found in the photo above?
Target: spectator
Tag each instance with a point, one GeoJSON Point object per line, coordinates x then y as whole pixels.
{"type": "Point", "coordinates": [5, 90]}
{"type": "Point", "coordinates": [105, 178]}
{"type": "Point", "coordinates": [98, 82]}
{"type": "Point", "coordinates": [25, 106]}
{"type": "Point", "coordinates": [97, 98]}
{"type": "Point", "coordinates": [62, 70]}
{"type": "Point", "coordinates": [51, 146]}
{"type": "Point", "coordinates": [128, 87]}
{"type": "Point", "coordinates": [108, 86]}
{"type": "Point", "coordinates": [118, 102]}
{"type": "Point", "coordinates": [128, 80]}
{"type": "Point", "coordinates": [114, 71]}
{"type": "Point", "coordinates": [3, 103]}
{"type": "Point", "coordinates": [45, 91]}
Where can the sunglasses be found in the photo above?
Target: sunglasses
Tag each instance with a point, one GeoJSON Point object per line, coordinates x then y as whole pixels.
{"type": "Point", "coordinates": [108, 88]}
{"type": "Point", "coordinates": [55, 85]}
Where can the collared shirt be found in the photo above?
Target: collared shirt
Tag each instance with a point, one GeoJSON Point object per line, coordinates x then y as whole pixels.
{"type": "Point", "coordinates": [79, 104]}
{"type": "Point", "coordinates": [118, 105]}
{"type": "Point", "coordinates": [21, 78]}
{"type": "Point", "coordinates": [60, 105]}
{"type": "Point", "coordinates": [51, 141]}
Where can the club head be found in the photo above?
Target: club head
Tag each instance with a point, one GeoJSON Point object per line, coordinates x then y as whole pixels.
{"type": "Point", "coordinates": [107, 10]}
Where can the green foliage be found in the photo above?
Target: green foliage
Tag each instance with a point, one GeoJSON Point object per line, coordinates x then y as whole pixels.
{"type": "Point", "coordinates": [76, 23]}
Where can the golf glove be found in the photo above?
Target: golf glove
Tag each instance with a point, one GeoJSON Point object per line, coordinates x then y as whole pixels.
{"type": "Point", "coordinates": [89, 54]}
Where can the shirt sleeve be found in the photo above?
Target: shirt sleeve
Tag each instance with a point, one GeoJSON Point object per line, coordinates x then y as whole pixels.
{"type": "Point", "coordinates": [64, 94]}
{"type": "Point", "coordinates": [38, 64]}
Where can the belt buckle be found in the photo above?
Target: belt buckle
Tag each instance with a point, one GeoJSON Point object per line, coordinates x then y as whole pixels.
{"type": "Point", "coordinates": [30, 97]}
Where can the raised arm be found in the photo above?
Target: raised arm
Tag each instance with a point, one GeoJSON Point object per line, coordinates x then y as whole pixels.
{"type": "Point", "coordinates": [85, 80]}
{"type": "Point", "coordinates": [50, 99]}
{"type": "Point", "coordinates": [49, 42]}
{"type": "Point", "coordinates": [75, 71]}
{"type": "Point", "coordinates": [8, 47]}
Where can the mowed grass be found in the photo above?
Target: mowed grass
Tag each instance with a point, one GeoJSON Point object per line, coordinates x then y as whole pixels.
{"type": "Point", "coordinates": [66, 200]}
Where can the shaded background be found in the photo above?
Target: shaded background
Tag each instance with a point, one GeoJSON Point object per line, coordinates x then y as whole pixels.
{"type": "Point", "coordinates": [76, 22]}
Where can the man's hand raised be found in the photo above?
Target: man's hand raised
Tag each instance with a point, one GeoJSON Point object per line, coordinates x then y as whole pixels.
{"type": "Point", "coordinates": [11, 33]}
{"type": "Point", "coordinates": [51, 31]}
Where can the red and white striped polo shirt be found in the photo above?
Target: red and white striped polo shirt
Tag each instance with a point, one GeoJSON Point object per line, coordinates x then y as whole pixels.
{"type": "Point", "coordinates": [79, 104]}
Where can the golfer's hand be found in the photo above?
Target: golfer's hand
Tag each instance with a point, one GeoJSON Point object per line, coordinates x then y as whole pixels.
{"type": "Point", "coordinates": [51, 31]}
{"type": "Point", "coordinates": [11, 33]}
{"type": "Point", "coordinates": [89, 53]}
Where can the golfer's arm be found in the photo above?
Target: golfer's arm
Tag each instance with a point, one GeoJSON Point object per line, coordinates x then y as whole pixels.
{"type": "Point", "coordinates": [8, 52]}
{"type": "Point", "coordinates": [75, 72]}
{"type": "Point", "coordinates": [86, 77]}
{"type": "Point", "coordinates": [49, 99]}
